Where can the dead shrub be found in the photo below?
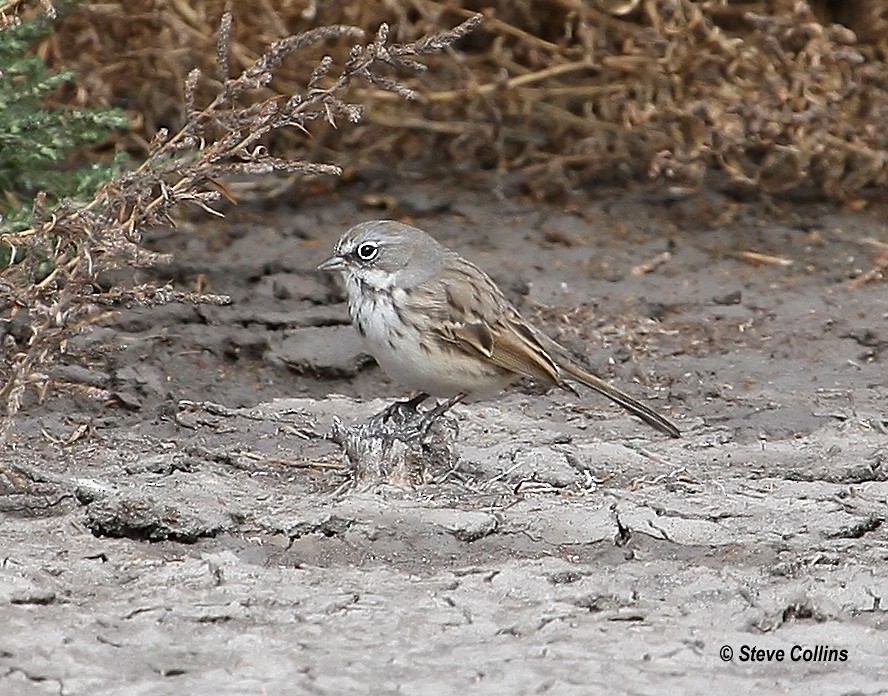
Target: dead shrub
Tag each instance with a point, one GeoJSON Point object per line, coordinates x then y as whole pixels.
{"type": "Point", "coordinates": [773, 96]}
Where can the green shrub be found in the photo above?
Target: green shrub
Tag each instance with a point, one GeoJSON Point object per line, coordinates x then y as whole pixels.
{"type": "Point", "coordinates": [36, 142]}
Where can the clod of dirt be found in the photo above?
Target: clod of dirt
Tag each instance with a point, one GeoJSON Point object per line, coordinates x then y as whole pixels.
{"type": "Point", "coordinates": [475, 529]}
{"type": "Point", "coordinates": [548, 466]}
{"type": "Point", "coordinates": [300, 286]}
{"type": "Point", "coordinates": [132, 383]}
{"type": "Point", "coordinates": [142, 517]}
{"type": "Point", "coordinates": [330, 352]}
{"type": "Point", "coordinates": [29, 492]}
{"type": "Point", "coordinates": [802, 608]}
{"type": "Point", "coordinates": [731, 298]}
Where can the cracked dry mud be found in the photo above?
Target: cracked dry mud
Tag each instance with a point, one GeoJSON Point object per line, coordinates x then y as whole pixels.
{"type": "Point", "coordinates": [196, 532]}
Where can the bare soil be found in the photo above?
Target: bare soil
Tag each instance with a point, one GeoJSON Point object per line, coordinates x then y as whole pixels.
{"type": "Point", "coordinates": [192, 531]}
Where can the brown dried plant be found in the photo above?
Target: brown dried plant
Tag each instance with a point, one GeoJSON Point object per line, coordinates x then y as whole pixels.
{"type": "Point", "coordinates": [770, 96]}
{"type": "Point", "coordinates": [52, 295]}
{"type": "Point", "coordinates": [793, 106]}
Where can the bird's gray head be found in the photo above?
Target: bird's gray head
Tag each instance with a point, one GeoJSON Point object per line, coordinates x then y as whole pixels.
{"type": "Point", "coordinates": [383, 253]}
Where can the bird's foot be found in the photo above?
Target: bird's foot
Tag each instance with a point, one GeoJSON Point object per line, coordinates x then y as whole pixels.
{"type": "Point", "coordinates": [405, 421]}
{"type": "Point", "coordinates": [400, 412]}
{"type": "Point", "coordinates": [433, 414]}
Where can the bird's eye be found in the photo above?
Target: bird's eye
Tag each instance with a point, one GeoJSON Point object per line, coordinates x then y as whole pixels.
{"type": "Point", "coordinates": [367, 251]}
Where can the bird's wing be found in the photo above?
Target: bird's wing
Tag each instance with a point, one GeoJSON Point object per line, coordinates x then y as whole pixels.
{"type": "Point", "coordinates": [471, 313]}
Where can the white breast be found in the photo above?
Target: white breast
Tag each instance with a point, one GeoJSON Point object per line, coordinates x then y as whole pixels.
{"type": "Point", "coordinates": [396, 346]}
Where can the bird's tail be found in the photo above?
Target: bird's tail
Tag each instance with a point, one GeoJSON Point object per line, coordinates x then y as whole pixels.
{"type": "Point", "coordinates": [647, 414]}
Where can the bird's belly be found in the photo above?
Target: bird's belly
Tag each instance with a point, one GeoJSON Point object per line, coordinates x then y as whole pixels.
{"type": "Point", "coordinates": [439, 374]}
{"type": "Point", "coordinates": [426, 366]}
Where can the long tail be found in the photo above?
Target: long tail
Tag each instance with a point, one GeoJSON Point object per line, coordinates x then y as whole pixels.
{"type": "Point", "coordinates": [648, 415]}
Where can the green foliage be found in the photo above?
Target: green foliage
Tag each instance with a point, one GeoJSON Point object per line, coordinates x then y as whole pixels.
{"type": "Point", "coordinates": [35, 141]}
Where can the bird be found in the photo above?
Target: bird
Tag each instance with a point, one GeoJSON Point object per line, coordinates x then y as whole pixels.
{"type": "Point", "coordinates": [440, 326]}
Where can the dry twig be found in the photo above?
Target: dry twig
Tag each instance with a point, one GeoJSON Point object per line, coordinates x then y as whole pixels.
{"type": "Point", "coordinates": [52, 295]}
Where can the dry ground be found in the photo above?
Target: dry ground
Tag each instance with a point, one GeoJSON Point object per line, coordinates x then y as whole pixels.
{"type": "Point", "coordinates": [191, 534]}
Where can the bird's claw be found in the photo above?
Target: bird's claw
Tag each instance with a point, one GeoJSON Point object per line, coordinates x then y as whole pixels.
{"type": "Point", "coordinates": [404, 420]}
{"type": "Point", "coordinates": [400, 413]}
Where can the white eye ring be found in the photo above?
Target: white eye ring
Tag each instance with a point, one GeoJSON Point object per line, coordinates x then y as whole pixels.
{"type": "Point", "coordinates": [367, 251]}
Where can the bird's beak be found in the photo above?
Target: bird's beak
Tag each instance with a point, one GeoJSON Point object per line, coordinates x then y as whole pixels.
{"type": "Point", "coordinates": [334, 263]}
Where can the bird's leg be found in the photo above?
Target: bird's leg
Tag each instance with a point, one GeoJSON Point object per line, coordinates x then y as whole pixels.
{"type": "Point", "coordinates": [433, 414]}
{"type": "Point", "coordinates": [414, 401]}
{"type": "Point", "coordinates": [401, 411]}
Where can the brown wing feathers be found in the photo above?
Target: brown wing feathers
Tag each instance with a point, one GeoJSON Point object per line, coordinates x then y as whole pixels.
{"type": "Point", "coordinates": [494, 330]}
